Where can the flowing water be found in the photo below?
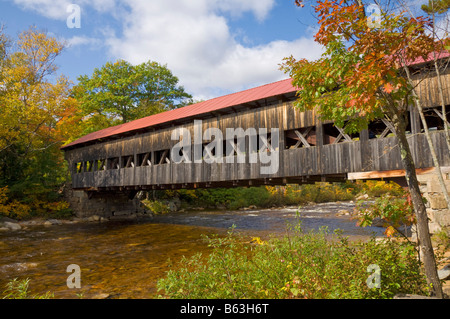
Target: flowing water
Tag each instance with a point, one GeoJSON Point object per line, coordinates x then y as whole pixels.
{"type": "Point", "coordinates": [124, 259]}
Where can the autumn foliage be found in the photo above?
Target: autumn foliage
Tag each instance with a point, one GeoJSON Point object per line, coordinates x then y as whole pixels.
{"type": "Point", "coordinates": [358, 76]}
{"type": "Point", "coordinates": [363, 76]}
{"type": "Point", "coordinates": [37, 117]}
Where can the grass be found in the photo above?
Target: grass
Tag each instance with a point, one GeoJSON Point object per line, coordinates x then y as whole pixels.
{"type": "Point", "coordinates": [300, 265]}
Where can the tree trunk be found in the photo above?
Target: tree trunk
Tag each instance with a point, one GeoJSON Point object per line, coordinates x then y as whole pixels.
{"type": "Point", "coordinates": [423, 232]}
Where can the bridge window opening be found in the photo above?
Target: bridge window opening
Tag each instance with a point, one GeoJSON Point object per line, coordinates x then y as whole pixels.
{"type": "Point", "coordinates": [382, 128]}
{"type": "Point", "coordinates": [301, 137]}
{"type": "Point", "coordinates": [334, 135]}
{"type": "Point", "coordinates": [265, 143]}
{"type": "Point", "coordinates": [127, 161]}
{"type": "Point", "coordinates": [162, 157]}
{"type": "Point", "coordinates": [100, 165]}
{"type": "Point", "coordinates": [113, 163]}
{"type": "Point", "coordinates": [208, 152]}
{"type": "Point", "coordinates": [144, 159]}
{"type": "Point", "coordinates": [79, 167]}
{"type": "Point", "coordinates": [230, 147]}
{"type": "Point", "coordinates": [88, 165]}
{"type": "Point", "coordinates": [435, 119]}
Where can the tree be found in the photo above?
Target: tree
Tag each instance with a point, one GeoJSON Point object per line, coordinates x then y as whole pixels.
{"type": "Point", "coordinates": [36, 112]}
{"type": "Point", "coordinates": [360, 78]}
{"type": "Point", "coordinates": [120, 92]}
{"type": "Point", "coordinates": [434, 7]}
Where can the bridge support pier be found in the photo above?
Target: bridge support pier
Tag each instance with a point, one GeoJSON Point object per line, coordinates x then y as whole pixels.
{"type": "Point", "coordinates": [438, 212]}
{"type": "Point", "coordinates": [104, 204]}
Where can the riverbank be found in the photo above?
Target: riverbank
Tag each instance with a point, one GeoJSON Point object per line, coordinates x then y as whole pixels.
{"type": "Point", "coordinates": [8, 224]}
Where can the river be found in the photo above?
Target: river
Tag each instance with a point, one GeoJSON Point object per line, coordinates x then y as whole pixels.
{"type": "Point", "coordinates": [124, 259]}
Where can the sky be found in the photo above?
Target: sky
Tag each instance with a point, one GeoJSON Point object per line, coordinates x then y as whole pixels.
{"type": "Point", "coordinates": [214, 47]}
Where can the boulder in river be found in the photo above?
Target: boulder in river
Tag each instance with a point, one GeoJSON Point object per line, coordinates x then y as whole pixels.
{"type": "Point", "coordinates": [444, 273]}
{"type": "Point", "coordinates": [12, 226]}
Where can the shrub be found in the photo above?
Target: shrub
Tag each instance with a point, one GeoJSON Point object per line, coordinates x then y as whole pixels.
{"type": "Point", "coordinates": [12, 208]}
{"type": "Point", "coordinates": [290, 194]}
{"type": "Point", "coordinates": [300, 265]}
{"type": "Point", "coordinates": [394, 212]}
{"type": "Point", "coordinates": [24, 210]}
{"type": "Point", "coordinates": [156, 207]}
{"type": "Point", "coordinates": [375, 188]}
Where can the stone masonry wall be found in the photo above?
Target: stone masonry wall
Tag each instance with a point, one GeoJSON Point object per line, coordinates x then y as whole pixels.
{"type": "Point", "coordinates": [437, 209]}
{"type": "Point", "coordinates": [103, 205]}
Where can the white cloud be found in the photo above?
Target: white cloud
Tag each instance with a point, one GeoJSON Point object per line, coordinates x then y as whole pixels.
{"type": "Point", "coordinates": [197, 45]}
{"type": "Point", "coordinates": [48, 8]}
{"type": "Point", "coordinates": [82, 40]}
{"type": "Point", "coordinates": [192, 37]}
{"type": "Point", "coordinates": [57, 9]}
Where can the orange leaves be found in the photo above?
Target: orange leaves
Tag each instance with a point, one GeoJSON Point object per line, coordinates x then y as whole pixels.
{"type": "Point", "coordinates": [390, 231]}
{"type": "Point", "coordinates": [388, 88]}
{"type": "Point", "coordinates": [358, 73]}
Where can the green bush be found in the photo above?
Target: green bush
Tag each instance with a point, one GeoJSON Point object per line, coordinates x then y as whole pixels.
{"type": "Point", "coordinates": [268, 196]}
{"type": "Point", "coordinates": [396, 213]}
{"type": "Point", "coordinates": [156, 207]}
{"type": "Point", "coordinates": [300, 265]}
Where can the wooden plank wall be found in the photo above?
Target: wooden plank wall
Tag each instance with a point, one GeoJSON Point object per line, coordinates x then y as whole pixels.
{"type": "Point", "coordinates": [427, 87]}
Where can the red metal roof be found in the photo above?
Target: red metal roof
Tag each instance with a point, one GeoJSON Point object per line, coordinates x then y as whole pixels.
{"type": "Point", "coordinates": [439, 55]}
{"type": "Point", "coordinates": [254, 94]}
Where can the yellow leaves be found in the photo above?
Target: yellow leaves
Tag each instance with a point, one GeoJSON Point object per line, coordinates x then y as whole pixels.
{"type": "Point", "coordinates": [390, 231]}
{"type": "Point", "coordinates": [39, 47]}
{"type": "Point", "coordinates": [258, 241]}
{"type": "Point", "coordinates": [12, 208]}
{"type": "Point", "coordinates": [33, 106]}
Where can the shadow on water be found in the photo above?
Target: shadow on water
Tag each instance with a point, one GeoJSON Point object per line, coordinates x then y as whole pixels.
{"type": "Point", "coordinates": [124, 259]}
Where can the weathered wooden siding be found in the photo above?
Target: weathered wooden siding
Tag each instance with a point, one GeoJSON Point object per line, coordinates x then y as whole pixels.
{"type": "Point", "coordinates": [428, 89]}
{"type": "Point", "coordinates": [284, 117]}
{"type": "Point", "coordinates": [333, 159]}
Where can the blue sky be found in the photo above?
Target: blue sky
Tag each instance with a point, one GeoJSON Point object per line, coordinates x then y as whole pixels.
{"type": "Point", "coordinates": [214, 47]}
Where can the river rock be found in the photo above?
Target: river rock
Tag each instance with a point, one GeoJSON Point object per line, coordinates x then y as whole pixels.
{"type": "Point", "coordinates": [54, 222]}
{"type": "Point", "coordinates": [94, 218]}
{"type": "Point", "coordinates": [343, 212]}
{"type": "Point", "coordinates": [444, 273]}
{"type": "Point", "coordinates": [362, 197]}
{"type": "Point", "coordinates": [12, 226]}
